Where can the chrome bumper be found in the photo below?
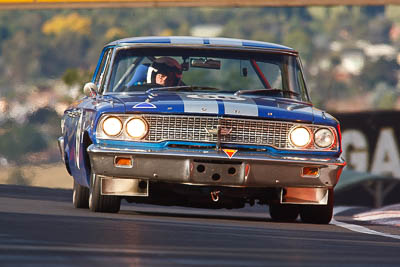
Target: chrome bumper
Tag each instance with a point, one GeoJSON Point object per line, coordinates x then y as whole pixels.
{"type": "Point", "coordinates": [214, 168]}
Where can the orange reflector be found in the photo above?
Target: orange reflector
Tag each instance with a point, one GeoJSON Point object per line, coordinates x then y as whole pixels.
{"type": "Point", "coordinates": [123, 162]}
{"type": "Point", "coordinates": [310, 172]}
{"type": "Point", "coordinates": [247, 171]}
{"type": "Point", "coordinates": [230, 152]}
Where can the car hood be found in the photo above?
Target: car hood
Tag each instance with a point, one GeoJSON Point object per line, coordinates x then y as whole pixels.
{"type": "Point", "coordinates": [195, 103]}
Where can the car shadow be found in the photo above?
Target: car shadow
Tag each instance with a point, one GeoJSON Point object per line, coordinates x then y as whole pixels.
{"type": "Point", "coordinates": [244, 214]}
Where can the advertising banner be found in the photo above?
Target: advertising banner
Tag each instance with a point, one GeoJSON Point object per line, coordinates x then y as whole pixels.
{"type": "Point", "coordinates": [370, 142]}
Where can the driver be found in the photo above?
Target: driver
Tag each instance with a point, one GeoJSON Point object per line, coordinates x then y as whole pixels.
{"type": "Point", "coordinates": [165, 71]}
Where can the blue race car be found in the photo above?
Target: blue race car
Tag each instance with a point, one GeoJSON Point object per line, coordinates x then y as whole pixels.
{"type": "Point", "coordinates": [201, 122]}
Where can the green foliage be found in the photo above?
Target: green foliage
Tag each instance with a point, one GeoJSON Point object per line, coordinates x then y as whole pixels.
{"type": "Point", "coordinates": [65, 44]}
{"type": "Point", "coordinates": [392, 13]}
{"type": "Point", "coordinates": [44, 116]}
{"type": "Point", "coordinates": [386, 101]}
{"type": "Point", "coordinates": [377, 72]}
{"type": "Point", "coordinates": [384, 97]}
{"type": "Point", "coordinates": [300, 40]}
{"type": "Point", "coordinates": [71, 77]}
{"type": "Point", "coordinates": [64, 52]}
{"type": "Point", "coordinates": [72, 22]}
{"type": "Point", "coordinates": [78, 77]}
{"type": "Point", "coordinates": [19, 140]}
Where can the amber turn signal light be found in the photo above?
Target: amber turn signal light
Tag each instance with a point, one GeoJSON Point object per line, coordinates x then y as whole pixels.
{"type": "Point", "coordinates": [123, 162]}
{"type": "Point", "coordinates": [310, 172]}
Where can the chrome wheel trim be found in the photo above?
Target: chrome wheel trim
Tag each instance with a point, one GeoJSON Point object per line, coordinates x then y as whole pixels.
{"type": "Point", "coordinates": [90, 200]}
{"type": "Point", "coordinates": [91, 191]}
{"type": "Point", "coordinates": [74, 195]}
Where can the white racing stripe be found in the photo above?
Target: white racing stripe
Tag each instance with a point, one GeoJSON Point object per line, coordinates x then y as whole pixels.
{"type": "Point", "coordinates": [226, 42]}
{"type": "Point", "coordinates": [186, 40]}
{"type": "Point", "coordinates": [196, 104]}
{"type": "Point", "coordinates": [358, 228]}
{"type": "Point", "coordinates": [246, 107]}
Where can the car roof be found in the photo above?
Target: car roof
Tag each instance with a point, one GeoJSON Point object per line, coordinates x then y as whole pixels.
{"type": "Point", "coordinates": [201, 41]}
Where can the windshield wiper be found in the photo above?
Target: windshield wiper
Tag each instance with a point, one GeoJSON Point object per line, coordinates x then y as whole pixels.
{"type": "Point", "coordinates": [265, 91]}
{"type": "Point", "coordinates": [183, 88]}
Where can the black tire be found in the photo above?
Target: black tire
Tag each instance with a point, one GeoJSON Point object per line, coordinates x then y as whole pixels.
{"type": "Point", "coordinates": [80, 196]}
{"type": "Point", "coordinates": [318, 214]}
{"type": "Point", "coordinates": [99, 202]}
{"type": "Point", "coordinates": [283, 213]}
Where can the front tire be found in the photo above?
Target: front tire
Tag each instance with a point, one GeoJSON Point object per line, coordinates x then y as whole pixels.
{"type": "Point", "coordinates": [283, 213]}
{"type": "Point", "coordinates": [80, 196]}
{"type": "Point", "coordinates": [318, 214]}
{"type": "Point", "coordinates": [99, 202]}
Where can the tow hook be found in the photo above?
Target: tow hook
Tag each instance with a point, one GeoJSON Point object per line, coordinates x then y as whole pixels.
{"type": "Point", "coordinates": [215, 195]}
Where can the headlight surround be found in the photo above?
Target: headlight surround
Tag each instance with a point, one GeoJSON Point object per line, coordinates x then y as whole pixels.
{"type": "Point", "coordinates": [137, 128]}
{"type": "Point", "coordinates": [300, 137]}
{"type": "Point", "coordinates": [112, 126]}
{"type": "Point", "coordinates": [324, 138]}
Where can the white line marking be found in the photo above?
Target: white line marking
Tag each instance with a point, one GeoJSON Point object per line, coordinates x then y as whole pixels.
{"type": "Point", "coordinates": [358, 228]}
{"type": "Point", "coordinates": [377, 215]}
{"type": "Point", "coordinates": [340, 209]}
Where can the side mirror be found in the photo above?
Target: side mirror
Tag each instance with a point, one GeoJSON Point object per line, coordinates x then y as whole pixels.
{"type": "Point", "coordinates": [90, 89]}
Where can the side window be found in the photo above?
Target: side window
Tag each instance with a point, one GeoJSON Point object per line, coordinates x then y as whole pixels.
{"type": "Point", "coordinates": [99, 80]}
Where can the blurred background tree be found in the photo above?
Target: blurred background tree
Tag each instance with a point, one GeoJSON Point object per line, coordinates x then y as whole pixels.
{"type": "Point", "coordinates": [50, 44]}
{"type": "Point", "coordinates": [19, 140]}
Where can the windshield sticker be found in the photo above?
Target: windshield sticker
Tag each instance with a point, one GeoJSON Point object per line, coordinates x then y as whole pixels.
{"type": "Point", "coordinates": [217, 97]}
{"type": "Point", "coordinates": [144, 105]}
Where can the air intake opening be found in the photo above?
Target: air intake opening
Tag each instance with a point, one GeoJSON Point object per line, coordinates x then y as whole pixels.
{"type": "Point", "coordinates": [216, 177]}
{"type": "Point", "coordinates": [231, 171]}
{"type": "Point", "coordinates": [201, 168]}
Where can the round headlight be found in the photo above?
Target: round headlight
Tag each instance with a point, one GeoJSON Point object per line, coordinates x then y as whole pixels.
{"type": "Point", "coordinates": [137, 128]}
{"type": "Point", "coordinates": [324, 138]}
{"type": "Point", "coordinates": [112, 126]}
{"type": "Point", "coordinates": [300, 137]}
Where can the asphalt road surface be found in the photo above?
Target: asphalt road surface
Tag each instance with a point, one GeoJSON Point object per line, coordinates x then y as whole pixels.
{"type": "Point", "coordinates": [40, 227]}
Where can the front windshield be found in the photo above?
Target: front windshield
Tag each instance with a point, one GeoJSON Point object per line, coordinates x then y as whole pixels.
{"type": "Point", "coordinates": [137, 69]}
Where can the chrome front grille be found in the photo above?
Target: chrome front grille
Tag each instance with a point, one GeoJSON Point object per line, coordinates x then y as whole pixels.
{"type": "Point", "coordinates": [203, 129]}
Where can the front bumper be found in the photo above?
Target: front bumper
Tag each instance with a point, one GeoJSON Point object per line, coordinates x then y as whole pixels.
{"type": "Point", "coordinates": [215, 168]}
